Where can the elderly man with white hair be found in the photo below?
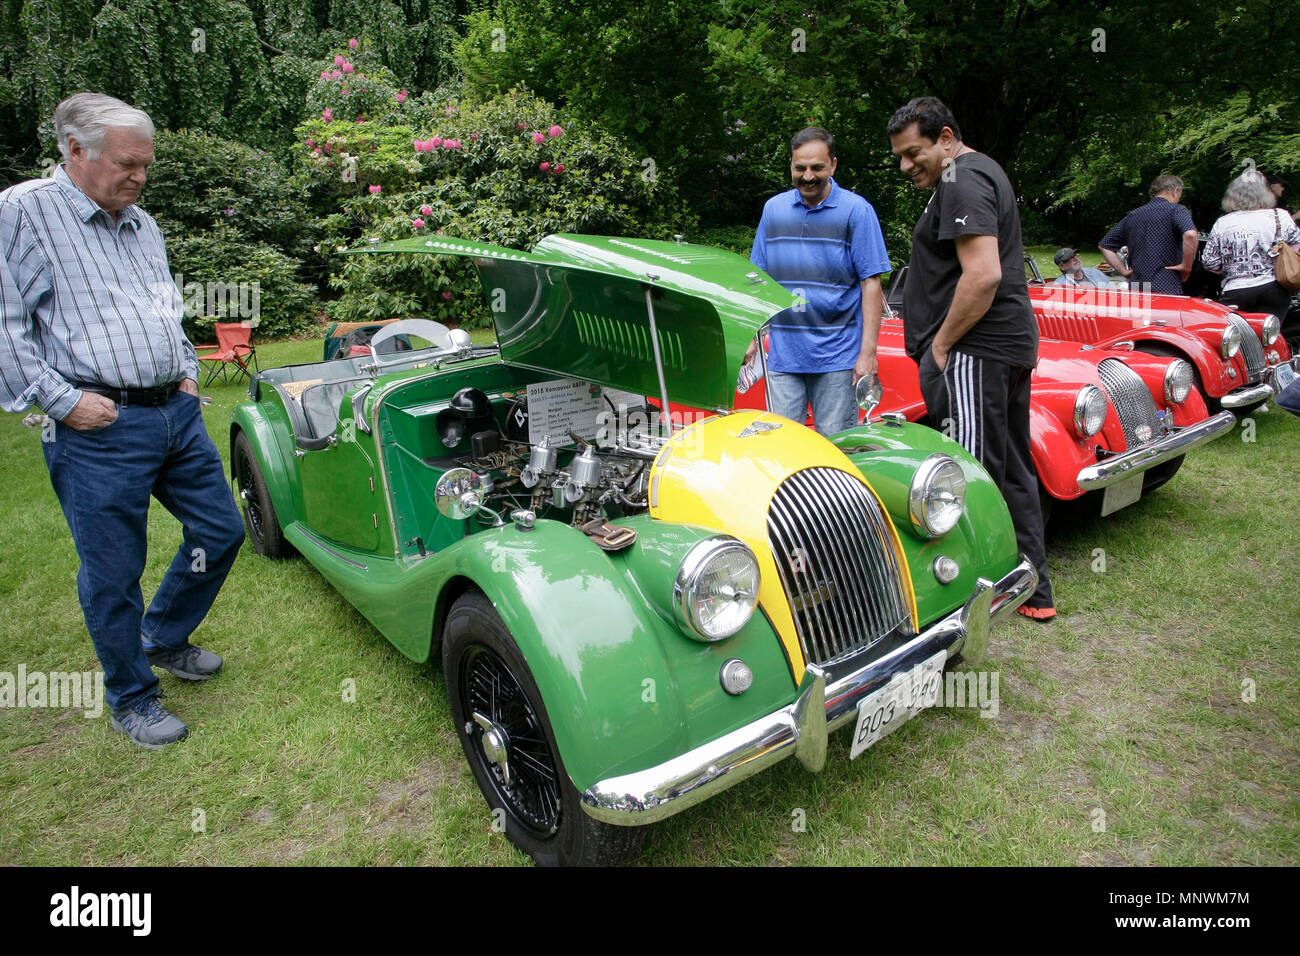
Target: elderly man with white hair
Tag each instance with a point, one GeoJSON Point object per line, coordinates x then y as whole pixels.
{"type": "Point", "coordinates": [90, 331]}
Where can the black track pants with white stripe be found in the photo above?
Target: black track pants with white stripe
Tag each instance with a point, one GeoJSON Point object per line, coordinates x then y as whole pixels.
{"type": "Point", "coordinates": [984, 406]}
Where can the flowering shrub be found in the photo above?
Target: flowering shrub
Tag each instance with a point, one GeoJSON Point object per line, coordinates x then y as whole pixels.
{"type": "Point", "coordinates": [501, 170]}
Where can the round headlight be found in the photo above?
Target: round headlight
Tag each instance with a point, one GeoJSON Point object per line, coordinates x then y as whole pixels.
{"type": "Point", "coordinates": [1089, 411]}
{"type": "Point", "coordinates": [1272, 328]}
{"type": "Point", "coordinates": [716, 588]}
{"type": "Point", "coordinates": [937, 497]}
{"type": "Point", "coordinates": [1230, 343]}
{"type": "Point", "coordinates": [1178, 381]}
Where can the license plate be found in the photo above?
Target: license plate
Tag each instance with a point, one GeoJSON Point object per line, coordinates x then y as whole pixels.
{"type": "Point", "coordinates": [1121, 494]}
{"type": "Point", "coordinates": [1283, 377]}
{"type": "Point", "coordinates": [907, 694]}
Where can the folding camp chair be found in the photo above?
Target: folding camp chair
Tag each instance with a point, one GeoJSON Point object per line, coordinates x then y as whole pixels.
{"type": "Point", "coordinates": [234, 350]}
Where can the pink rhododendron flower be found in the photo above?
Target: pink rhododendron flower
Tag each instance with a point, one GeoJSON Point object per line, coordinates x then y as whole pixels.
{"type": "Point", "coordinates": [555, 132]}
{"type": "Point", "coordinates": [316, 151]}
{"type": "Point", "coordinates": [539, 138]}
{"type": "Point", "coordinates": [348, 68]}
{"type": "Point", "coordinates": [335, 74]}
{"type": "Point", "coordinates": [311, 142]}
{"type": "Point", "coordinates": [324, 74]}
{"type": "Point", "coordinates": [402, 95]}
{"type": "Point", "coordinates": [473, 137]}
{"type": "Point", "coordinates": [446, 295]}
{"type": "Point", "coordinates": [559, 168]}
{"type": "Point", "coordinates": [353, 43]}
{"type": "Point", "coordinates": [426, 210]}
{"type": "Point", "coordinates": [327, 147]}
{"type": "Point", "coordinates": [521, 125]}
{"type": "Point", "coordinates": [376, 190]}
{"type": "Point", "coordinates": [339, 61]}
{"type": "Point", "coordinates": [544, 167]}
{"type": "Point", "coordinates": [417, 223]}
{"type": "Point", "coordinates": [360, 120]}
{"type": "Point", "coordinates": [435, 142]}
{"type": "Point", "coordinates": [327, 116]}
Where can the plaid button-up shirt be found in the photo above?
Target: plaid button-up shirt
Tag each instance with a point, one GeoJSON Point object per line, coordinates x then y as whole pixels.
{"type": "Point", "coordinates": [83, 299]}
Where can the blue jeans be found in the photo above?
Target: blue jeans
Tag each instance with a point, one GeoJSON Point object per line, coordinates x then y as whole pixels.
{"type": "Point", "coordinates": [833, 404]}
{"type": "Point", "coordinates": [104, 479]}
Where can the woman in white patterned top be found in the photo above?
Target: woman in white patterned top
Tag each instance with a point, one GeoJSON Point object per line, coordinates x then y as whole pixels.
{"type": "Point", "coordinates": [1241, 246]}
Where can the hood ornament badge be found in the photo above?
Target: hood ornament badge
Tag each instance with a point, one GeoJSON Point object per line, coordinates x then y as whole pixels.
{"type": "Point", "coordinates": [757, 428]}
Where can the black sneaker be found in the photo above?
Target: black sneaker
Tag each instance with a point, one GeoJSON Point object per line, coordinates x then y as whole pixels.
{"type": "Point", "coordinates": [189, 661]}
{"type": "Point", "coordinates": [150, 725]}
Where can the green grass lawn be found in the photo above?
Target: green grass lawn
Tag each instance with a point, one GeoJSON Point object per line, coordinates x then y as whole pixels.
{"type": "Point", "coordinates": [1121, 735]}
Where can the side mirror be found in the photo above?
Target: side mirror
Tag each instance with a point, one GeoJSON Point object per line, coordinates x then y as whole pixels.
{"type": "Point", "coordinates": [459, 493]}
{"type": "Point", "coordinates": [868, 393]}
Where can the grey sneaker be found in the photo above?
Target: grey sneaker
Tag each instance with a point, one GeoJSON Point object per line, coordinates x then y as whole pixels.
{"type": "Point", "coordinates": [189, 661]}
{"type": "Point", "coordinates": [150, 725]}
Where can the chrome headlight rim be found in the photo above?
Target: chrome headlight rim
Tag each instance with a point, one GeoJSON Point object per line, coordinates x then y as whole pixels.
{"type": "Point", "coordinates": [1178, 381]}
{"type": "Point", "coordinates": [1090, 404]}
{"type": "Point", "coordinates": [1229, 342]}
{"type": "Point", "coordinates": [1272, 329]}
{"type": "Point", "coordinates": [700, 560]}
{"type": "Point", "coordinates": [938, 467]}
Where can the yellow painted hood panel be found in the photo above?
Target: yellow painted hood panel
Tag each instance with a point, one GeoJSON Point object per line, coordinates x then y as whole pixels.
{"type": "Point", "coordinates": [722, 472]}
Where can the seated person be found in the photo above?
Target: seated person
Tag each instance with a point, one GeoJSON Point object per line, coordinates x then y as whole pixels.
{"type": "Point", "coordinates": [1073, 271]}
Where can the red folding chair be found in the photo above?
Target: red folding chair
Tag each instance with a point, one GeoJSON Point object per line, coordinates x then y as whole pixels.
{"type": "Point", "coordinates": [233, 352]}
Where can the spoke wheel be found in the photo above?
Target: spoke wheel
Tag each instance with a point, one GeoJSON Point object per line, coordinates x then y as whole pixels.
{"type": "Point", "coordinates": [508, 741]}
{"type": "Point", "coordinates": [255, 501]}
{"type": "Point", "coordinates": [511, 739]}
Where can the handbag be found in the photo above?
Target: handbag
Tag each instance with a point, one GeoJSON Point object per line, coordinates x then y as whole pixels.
{"type": "Point", "coordinates": [1286, 265]}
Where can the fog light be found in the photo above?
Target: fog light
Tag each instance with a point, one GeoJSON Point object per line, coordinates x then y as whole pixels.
{"type": "Point", "coordinates": [945, 569]}
{"type": "Point", "coordinates": [736, 677]}
{"type": "Point", "coordinates": [1273, 357]}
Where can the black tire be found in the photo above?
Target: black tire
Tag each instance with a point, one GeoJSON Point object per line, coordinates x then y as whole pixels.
{"type": "Point", "coordinates": [255, 501]}
{"type": "Point", "coordinates": [486, 675]}
{"type": "Point", "coordinates": [1153, 478]}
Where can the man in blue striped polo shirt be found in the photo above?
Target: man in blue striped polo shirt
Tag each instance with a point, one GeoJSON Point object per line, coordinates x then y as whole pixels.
{"type": "Point", "coordinates": [823, 243]}
{"type": "Point", "coordinates": [90, 331]}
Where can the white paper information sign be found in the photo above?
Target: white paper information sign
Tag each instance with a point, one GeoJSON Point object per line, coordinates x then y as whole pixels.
{"type": "Point", "coordinates": [563, 405]}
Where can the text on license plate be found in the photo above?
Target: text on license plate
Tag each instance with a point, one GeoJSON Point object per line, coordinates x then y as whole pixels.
{"type": "Point", "coordinates": [907, 694]}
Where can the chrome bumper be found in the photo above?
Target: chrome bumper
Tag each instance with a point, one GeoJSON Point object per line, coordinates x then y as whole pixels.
{"type": "Point", "coordinates": [1161, 450]}
{"type": "Point", "coordinates": [801, 728]}
{"type": "Point", "coordinates": [1248, 395]}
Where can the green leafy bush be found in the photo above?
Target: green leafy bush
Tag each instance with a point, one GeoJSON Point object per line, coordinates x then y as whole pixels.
{"type": "Point", "coordinates": [507, 169]}
{"type": "Point", "coordinates": [225, 278]}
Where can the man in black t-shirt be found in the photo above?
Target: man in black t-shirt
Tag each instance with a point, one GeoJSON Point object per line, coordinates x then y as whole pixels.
{"type": "Point", "coordinates": [967, 320]}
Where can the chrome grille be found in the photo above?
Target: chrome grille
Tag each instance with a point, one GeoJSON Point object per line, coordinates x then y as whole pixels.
{"type": "Point", "coordinates": [1132, 401]}
{"type": "Point", "coordinates": [1252, 349]}
{"type": "Point", "coordinates": [838, 566]}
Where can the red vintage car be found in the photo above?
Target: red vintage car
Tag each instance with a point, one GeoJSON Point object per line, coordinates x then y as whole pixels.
{"type": "Point", "coordinates": [1113, 421]}
{"type": "Point", "coordinates": [1240, 359]}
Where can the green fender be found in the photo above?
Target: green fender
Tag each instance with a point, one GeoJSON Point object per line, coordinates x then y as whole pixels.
{"type": "Point", "coordinates": [624, 687]}
{"type": "Point", "coordinates": [984, 541]}
{"type": "Point", "coordinates": [272, 446]}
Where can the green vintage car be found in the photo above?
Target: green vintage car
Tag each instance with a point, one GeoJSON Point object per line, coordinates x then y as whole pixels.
{"type": "Point", "coordinates": [634, 610]}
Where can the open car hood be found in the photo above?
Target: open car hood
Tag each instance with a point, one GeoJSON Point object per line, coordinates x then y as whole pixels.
{"type": "Point", "coordinates": [576, 306]}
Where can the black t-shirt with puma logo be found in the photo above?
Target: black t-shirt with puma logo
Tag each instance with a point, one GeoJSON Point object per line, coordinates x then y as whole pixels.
{"type": "Point", "coordinates": [974, 198]}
